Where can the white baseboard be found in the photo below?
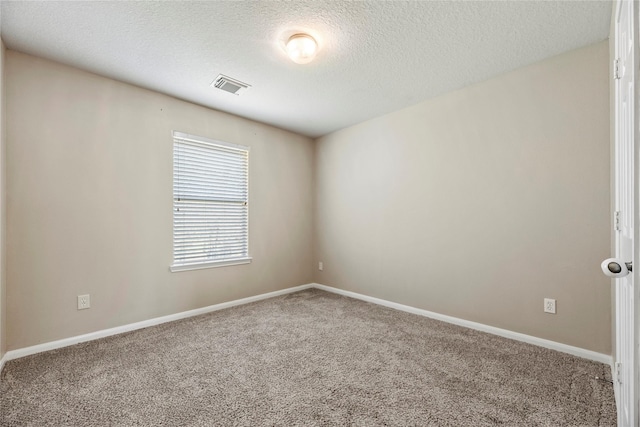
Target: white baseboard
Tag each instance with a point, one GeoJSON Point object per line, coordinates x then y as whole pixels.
{"type": "Point", "coordinates": [3, 360]}
{"type": "Point", "coordinates": [576, 351]}
{"type": "Point", "coordinates": [27, 351]}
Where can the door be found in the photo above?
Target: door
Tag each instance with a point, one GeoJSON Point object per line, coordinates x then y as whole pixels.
{"type": "Point", "coordinates": [625, 382]}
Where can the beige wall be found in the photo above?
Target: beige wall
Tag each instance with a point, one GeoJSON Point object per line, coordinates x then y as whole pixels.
{"type": "Point", "coordinates": [480, 203]}
{"type": "Point", "coordinates": [90, 204]}
{"type": "Point", "coordinates": [455, 205]}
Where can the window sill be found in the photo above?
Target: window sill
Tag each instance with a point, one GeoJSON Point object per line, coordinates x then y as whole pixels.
{"type": "Point", "coordinates": [214, 264]}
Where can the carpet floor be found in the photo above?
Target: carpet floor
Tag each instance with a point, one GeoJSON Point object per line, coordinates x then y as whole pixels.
{"type": "Point", "coordinates": [309, 358]}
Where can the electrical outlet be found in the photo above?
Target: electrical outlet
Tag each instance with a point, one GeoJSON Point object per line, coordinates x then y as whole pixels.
{"type": "Point", "coordinates": [550, 305]}
{"type": "Point", "coordinates": [320, 266]}
{"type": "Point", "coordinates": [84, 301]}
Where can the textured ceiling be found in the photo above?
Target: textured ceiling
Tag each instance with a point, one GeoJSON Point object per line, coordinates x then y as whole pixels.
{"type": "Point", "coordinates": [375, 57]}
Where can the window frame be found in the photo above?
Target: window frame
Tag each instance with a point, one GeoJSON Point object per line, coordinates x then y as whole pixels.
{"type": "Point", "coordinates": [246, 258]}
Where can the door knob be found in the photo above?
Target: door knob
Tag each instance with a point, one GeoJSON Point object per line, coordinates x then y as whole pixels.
{"type": "Point", "coordinates": [615, 267]}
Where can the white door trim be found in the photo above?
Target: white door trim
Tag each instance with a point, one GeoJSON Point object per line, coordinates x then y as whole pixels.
{"type": "Point", "coordinates": [626, 207]}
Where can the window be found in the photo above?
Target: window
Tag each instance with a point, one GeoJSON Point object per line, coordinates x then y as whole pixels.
{"type": "Point", "coordinates": [210, 203]}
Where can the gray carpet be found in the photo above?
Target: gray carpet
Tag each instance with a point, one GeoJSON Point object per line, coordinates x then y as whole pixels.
{"type": "Point", "coordinates": [306, 359]}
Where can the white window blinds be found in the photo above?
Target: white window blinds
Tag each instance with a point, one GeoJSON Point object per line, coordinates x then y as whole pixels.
{"type": "Point", "coordinates": [210, 203]}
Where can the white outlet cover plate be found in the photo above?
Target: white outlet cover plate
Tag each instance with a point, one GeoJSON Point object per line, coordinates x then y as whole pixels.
{"type": "Point", "coordinates": [84, 301]}
{"type": "Point", "coordinates": [550, 305]}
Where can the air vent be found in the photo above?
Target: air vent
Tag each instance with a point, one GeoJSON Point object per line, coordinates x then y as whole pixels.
{"type": "Point", "coordinates": [230, 85]}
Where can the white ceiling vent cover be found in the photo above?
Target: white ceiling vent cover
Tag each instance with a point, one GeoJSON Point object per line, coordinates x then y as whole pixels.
{"type": "Point", "coordinates": [230, 85]}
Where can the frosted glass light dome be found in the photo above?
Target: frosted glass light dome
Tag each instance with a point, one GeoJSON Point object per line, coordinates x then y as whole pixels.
{"type": "Point", "coordinates": [302, 48]}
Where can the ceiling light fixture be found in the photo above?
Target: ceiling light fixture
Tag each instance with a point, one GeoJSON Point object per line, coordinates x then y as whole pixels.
{"type": "Point", "coordinates": [302, 48]}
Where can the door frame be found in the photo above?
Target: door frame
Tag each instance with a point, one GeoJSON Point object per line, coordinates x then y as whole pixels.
{"type": "Point", "coordinates": [634, 378]}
